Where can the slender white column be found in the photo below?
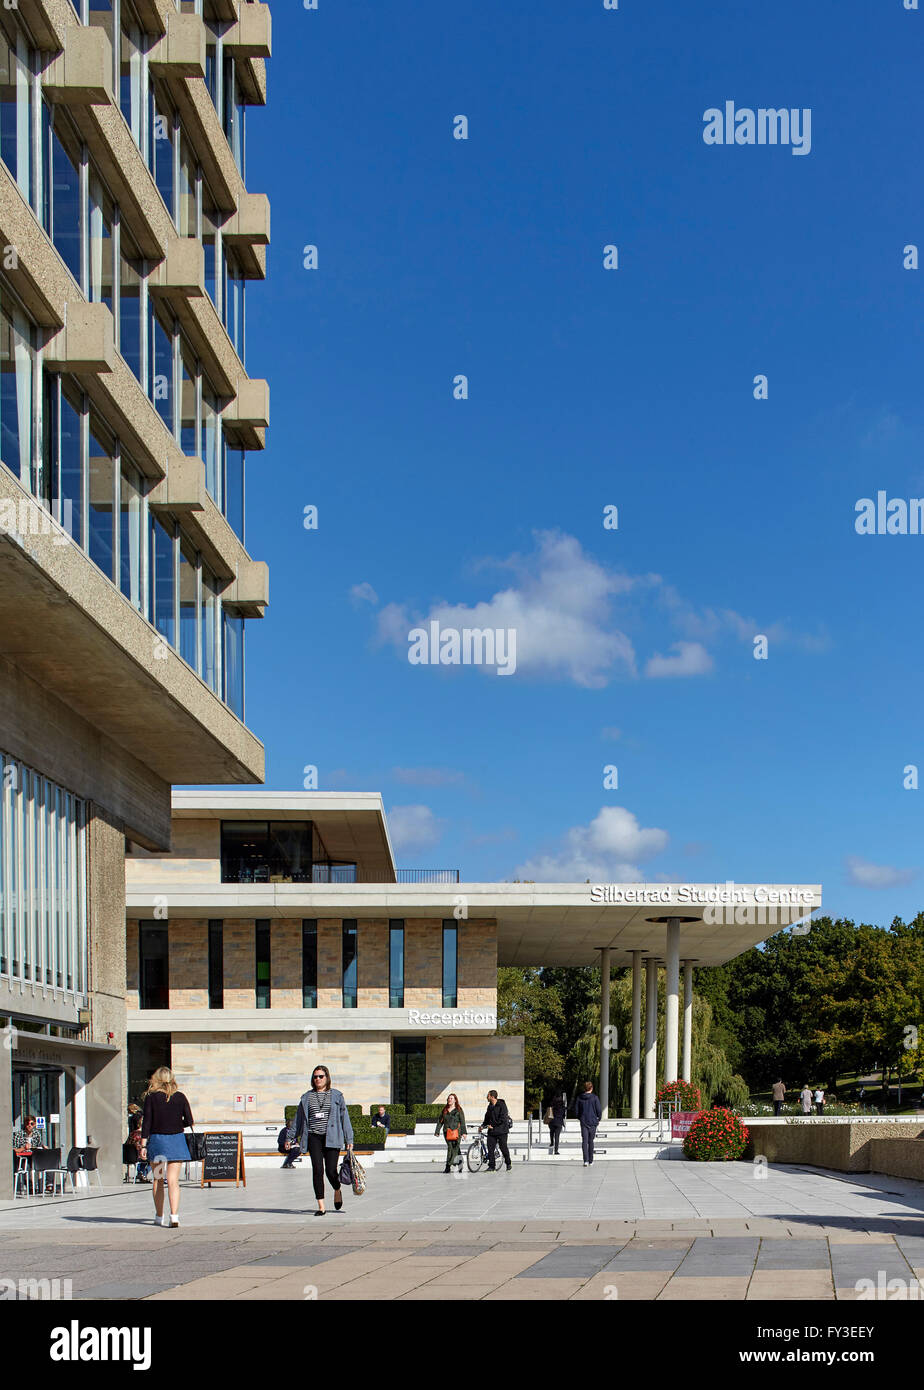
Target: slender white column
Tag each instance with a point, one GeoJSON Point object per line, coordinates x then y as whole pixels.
{"type": "Point", "coordinates": [687, 1019]}
{"type": "Point", "coordinates": [636, 1076]}
{"type": "Point", "coordinates": [672, 1001]}
{"type": "Point", "coordinates": [605, 1035]}
{"type": "Point", "coordinates": [651, 1036]}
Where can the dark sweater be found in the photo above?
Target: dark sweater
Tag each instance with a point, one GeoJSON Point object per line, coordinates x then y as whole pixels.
{"type": "Point", "coordinates": [163, 1116]}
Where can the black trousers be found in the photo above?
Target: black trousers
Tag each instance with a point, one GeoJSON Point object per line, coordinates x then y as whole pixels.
{"type": "Point", "coordinates": [495, 1142]}
{"type": "Point", "coordinates": [321, 1158]}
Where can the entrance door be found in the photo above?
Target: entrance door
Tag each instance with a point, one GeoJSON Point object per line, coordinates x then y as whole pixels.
{"type": "Point", "coordinates": [409, 1072]}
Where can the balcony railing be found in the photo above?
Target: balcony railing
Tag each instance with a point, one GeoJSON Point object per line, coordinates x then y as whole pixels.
{"type": "Point", "coordinates": [235, 870]}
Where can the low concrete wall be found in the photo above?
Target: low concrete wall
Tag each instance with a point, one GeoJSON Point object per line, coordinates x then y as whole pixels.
{"type": "Point", "coordinates": [900, 1158]}
{"type": "Point", "coordinates": [847, 1148]}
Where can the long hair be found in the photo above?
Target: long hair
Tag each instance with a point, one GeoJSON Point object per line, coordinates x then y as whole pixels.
{"type": "Point", "coordinates": [320, 1067]}
{"type": "Point", "coordinates": [447, 1107]}
{"type": "Point", "coordinates": [162, 1080]}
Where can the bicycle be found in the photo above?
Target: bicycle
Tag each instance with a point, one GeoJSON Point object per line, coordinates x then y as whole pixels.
{"type": "Point", "coordinates": [476, 1156]}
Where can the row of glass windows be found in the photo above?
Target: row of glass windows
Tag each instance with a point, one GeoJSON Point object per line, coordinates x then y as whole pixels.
{"type": "Point", "coordinates": [66, 192]}
{"type": "Point", "coordinates": [43, 881]}
{"type": "Point", "coordinates": [63, 452]}
{"type": "Point", "coordinates": [154, 983]}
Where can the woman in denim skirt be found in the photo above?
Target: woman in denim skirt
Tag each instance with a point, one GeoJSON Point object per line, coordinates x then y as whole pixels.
{"type": "Point", "coordinates": [166, 1115]}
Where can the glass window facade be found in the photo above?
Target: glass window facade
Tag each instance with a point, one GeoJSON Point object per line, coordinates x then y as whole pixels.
{"type": "Point", "coordinates": [350, 964]}
{"type": "Point", "coordinates": [396, 965]}
{"type": "Point", "coordinates": [309, 963]}
{"type": "Point", "coordinates": [153, 966]}
{"type": "Point", "coordinates": [216, 964]}
{"type": "Point", "coordinates": [43, 881]}
{"type": "Point", "coordinates": [450, 964]}
{"type": "Point", "coordinates": [263, 964]}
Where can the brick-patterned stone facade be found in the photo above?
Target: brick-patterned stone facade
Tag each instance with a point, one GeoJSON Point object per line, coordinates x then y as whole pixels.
{"type": "Point", "coordinates": [188, 947]}
{"type": "Point", "coordinates": [286, 964]}
{"type": "Point", "coordinates": [372, 958]}
{"type": "Point", "coordinates": [477, 963]}
{"type": "Point", "coordinates": [240, 961]}
{"type": "Point", "coordinates": [330, 963]}
{"type": "Point", "coordinates": [423, 962]}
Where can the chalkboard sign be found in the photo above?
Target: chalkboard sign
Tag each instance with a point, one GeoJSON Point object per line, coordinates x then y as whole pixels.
{"type": "Point", "coordinates": [224, 1157]}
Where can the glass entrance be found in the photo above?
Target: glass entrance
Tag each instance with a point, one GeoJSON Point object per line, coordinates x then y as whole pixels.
{"type": "Point", "coordinates": [408, 1072]}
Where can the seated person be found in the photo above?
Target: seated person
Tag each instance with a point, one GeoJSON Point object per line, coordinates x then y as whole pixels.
{"type": "Point", "coordinates": [29, 1137]}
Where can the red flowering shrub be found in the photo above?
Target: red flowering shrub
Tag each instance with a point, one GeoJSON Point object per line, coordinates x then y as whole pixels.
{"type": "Point", "coordinates": [716, 1136]}
{"type": "Point", "coordinates": [689, 1095]}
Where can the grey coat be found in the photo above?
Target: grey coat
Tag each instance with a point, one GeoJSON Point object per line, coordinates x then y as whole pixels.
{"type": "Point", "coordinates": [339, 1129]}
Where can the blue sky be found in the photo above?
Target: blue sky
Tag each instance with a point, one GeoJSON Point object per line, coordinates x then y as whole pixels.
{"type": "Point", "coordinates": [587, 388]}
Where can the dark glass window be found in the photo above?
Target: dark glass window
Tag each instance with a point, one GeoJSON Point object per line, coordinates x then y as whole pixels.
{"type": "Point", "coordinates": [102, 498]}
{"type": "Point", "coordinates": [153, 966]}
{"type": "Point", "coordinates": [234, 488]}
{"type": "Point", "coordinates": [450, 964]}
{"type": "Point", "coordinates": [266, 851]}
{"type": "Point", "coordinates": [263, 963]}
{"type": "Point", "coordinates": [396, 965]}
{"type": "Point", "coordinates": [309, 963]}
{"type": "Point", "coordinates": [409, 1072]}
{"type": "Point", "coordinates": [216, 964]}
{"type": "Point", "coordinates": [163, 578]}
{"type": "Point", "coordinates": [349, 964]}
{"type": "Point", "coordinates": [233, 664]}
{"type": "Point", "coordinates": [62, 203]}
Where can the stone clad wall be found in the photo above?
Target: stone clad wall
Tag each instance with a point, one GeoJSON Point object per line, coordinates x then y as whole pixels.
{"type": "Point", "coordinates": [276, 1068]}
{"type": "Point", "coordinates": [188, 947]}
{"type": "Point", "coordinates": [846, 1147]}
{"type": "Point", "coordinates": [372, 944]}
{"type": "Point", "coordinates": [423, 962]}
{"type": "Point", "coordinates": [473, 1066]}
{"type": "Point", "coordinates": [478, 963]}
{"type": "Point", "coordinates": [286, 964]}
{"type": "Point", "coordinates": [240, 966]}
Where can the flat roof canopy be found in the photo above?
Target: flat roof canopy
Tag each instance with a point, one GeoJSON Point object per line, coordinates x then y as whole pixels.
{"type": "Point", "coordinates": [351, 824]}
{"type": "Point", "coordinates": [553, 924]}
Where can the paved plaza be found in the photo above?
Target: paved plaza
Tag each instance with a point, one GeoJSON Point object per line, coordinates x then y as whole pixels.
{"type": "Point", "coordinates": [648, 1230]}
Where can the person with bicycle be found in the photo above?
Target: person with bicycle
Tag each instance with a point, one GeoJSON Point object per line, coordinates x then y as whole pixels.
{"type": "Point", "coordinates": [451, 1124]}
{"type": "Point", "coordinates": [497, 1122]}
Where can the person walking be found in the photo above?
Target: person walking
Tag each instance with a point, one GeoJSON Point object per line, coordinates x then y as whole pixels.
{"type": "Point", "coordinates": [819, 1101]}
{"type": "Point", "coordinates": [588, 1111]}
{"type": "Point", "coordinates": [498, 1123]}
{"type": "Point", "coordinates": [805, 1099]}
{"type": "Point", "coordinates": [555, 1118]}
{"type": "Point", "coordinates": [451, 1124]}
{"type": "Point", "coordinates": [779, 1095]}
{"type": "Point", "coordinates": [165, 1115]}
{"type": "Point", "coordinates": [321, 1127]}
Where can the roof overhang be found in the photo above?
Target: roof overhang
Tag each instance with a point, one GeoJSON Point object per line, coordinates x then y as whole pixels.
{"type": "Point", "coordinates": [538, 924]}
{"type": "Point", "coordinates": [351, 824]}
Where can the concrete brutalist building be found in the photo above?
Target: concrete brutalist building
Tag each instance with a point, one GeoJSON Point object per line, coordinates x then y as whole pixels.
{"type": "Point", "coordinates": [127, 237]}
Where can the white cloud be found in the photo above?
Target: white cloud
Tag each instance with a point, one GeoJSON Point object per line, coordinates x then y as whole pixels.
{"type": "Point", "coordinates": [414, 828]}
{"type": "Point", "coordinates": [691, 659]}
{"type": "Point", "coordinates": [559, 607]}
{"type": "Point", "coordinates": [862, 874]}
{"type": "Point", "coordinates": [609, 849]}
{"type": "Point", "coordinates": [364, 593]}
